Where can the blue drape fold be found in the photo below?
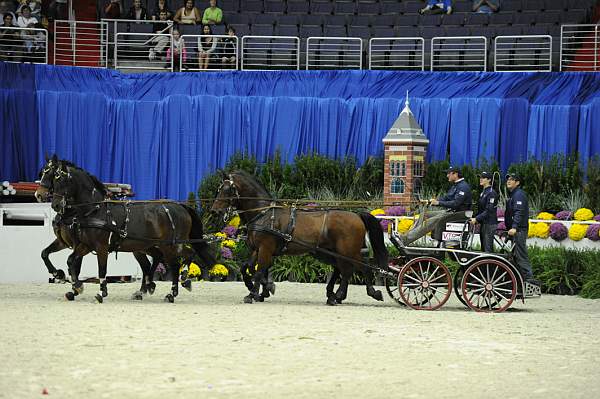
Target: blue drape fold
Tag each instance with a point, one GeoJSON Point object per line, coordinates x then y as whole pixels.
{"type": "Point", "coordinates": [163, 132]}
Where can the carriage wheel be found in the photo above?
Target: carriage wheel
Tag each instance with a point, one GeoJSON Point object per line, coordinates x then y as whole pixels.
{"type": "Point", "coordinates": [489, 286]}
{"type": "Point", "coordinates": [457, 283]}
{"type": "Point", "coordinates": [391, 286]}
{"type": "Point", "coordinates": [425, 283]}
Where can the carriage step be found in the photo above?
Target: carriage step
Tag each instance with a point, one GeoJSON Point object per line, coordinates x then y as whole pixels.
{"type": "Point", "coordinates": [532, 290]}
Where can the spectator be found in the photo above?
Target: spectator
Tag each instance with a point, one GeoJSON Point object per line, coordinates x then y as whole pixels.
{"type": "Point", "coordinates": [34, 5]}
{"type": "Point", "coordinates": [161, 5]}
{"type": "Point", "coordinates": [137, 12]}
{"type": "Point", "coordinates": [113, 9]}
{"type": "Point", "coordinates": [437, 7]}
{"type": "Point", "coordinates": [160, 42]}
{"type": "Point", "coordinates": [486, 6]}
{"type": "Point", "coordinates": [9, 39]}
{"type": "Point", "coordinates": [27, 21]}
{"type": "Point", "coordinates": [59, 9]}
{"type": "Point", "coordinates": [188, 14]}
{"type": "Point", "coordinates": [229, 49]}
{"type": "Point", "coordinates": [179, 51]}
{"type": "Point", "coordinates": [213, 15]}
{"type": "Point", "coordinates": [206, 47]}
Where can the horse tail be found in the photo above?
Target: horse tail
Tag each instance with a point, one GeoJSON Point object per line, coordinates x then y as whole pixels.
{"type": "Point", "coordinates": [376, 237]}
{"type": "Point", "coordinates": [201, 248]}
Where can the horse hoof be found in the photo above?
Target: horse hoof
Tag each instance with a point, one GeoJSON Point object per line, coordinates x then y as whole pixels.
{"type": "Point", "coordinates": [187, 284]}
{"type": "Point", "coordinates": [248, 299]}
{"type": "Point", "coordinates": [338, 301]}
{"type": "Point", "coordinates": [271, 288]}
{"type": "Point", "coordinates": [78, 288]}
{"type": "Point", "coordinates": [137, 296]}
{"type": "Point", "coordinates": [99, 298]}
{"type": "Point", "coordinates": [378, 295]}
{"type": "Point", "coordinates": [60, 276]}
{"type": "Point", "coordinates": [151, 288]}
{"type": "Point", "coordinates": [331, 301]}
{"type": "Point", "coordinates": [265, 294]}
{"type": "Point", "coordinates": [70, 296]}
{"type": "Point", "coordinates": [169, 298]}
{"type": "Point", "coordinates": [260, 298]}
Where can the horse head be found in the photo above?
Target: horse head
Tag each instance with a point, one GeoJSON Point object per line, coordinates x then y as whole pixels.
{"type": "Point", "coordinates": [228, 196]}
{"type": "Point", "coordinates": [63, 187]}
{"type": "Point", "coordinates": [46, 176]}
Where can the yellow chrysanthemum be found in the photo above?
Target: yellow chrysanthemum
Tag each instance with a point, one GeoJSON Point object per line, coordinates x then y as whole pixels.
{"type": "Point", "coordinates": [194, 270]}
{"type": "Point", "coordinates": [583, 214]}
{"type": "Point", "coordinates": [377, 212]}
{"type": "Point", "coordinates": [541, 230]}
{"type": "Point", "coordinates": [235, 221]}
{"type": "Point", "coordinates": [220, 235]}
{"type": "Point", "coordinates": [218, 270]}
{"type": "Point", "coordinates": [228, 243]}
{"type": "Point", "coordinates": [577, 231]}
{"type": "Point", "coordinates": [545, 216]}
{"type": "Point", "coordinates": [404, 225]}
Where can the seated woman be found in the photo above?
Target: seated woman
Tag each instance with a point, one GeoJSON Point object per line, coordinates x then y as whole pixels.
{"type": "Point", "coordinates": [137, 12]}
{"type": "Point", "coordinates": [161, 5]}
{"type": "Point", "coordinates": [437, 7]}
{"type": "Point", "coordinates": [206, 47]}
{"type": "Point", "coordinates": [179, 51]}
{"type": "Point", "coordinates": [188, 14]}
{"type": "Point", "coordinates": [229, 49]}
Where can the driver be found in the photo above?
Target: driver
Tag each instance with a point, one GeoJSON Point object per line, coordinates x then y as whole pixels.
{"type": "Point", "coordinates": [456, 201]}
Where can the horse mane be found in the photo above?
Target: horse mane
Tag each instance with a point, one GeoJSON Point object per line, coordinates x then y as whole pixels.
{"type": "Point", "coordinates": [95, 182]}
{"type": "Point", "coordinates": [253, 182]}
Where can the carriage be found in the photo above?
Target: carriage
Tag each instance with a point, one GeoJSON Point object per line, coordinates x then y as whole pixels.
{"type": "Point", "coordinates": [484, 282]}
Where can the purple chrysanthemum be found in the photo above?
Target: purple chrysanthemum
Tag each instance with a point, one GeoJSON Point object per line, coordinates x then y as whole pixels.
{"type": "Point", "coordinates": [226, 253]}
{"type": "Point", "coordinates": [384, 224]}
{"type": "Point", "coordinates": [231, 231]}
{"type": "Point", "coordinates": [161, 268]}
{"type": "Point", "coordinates": [564, 215]}
{"type": "Point", "coordinates": [312, 204]}
{"type": "Point", "coordinates": [593, 232]}
{"type": "Point", "coordinates": [558, 231]}
{"type": "Point", "coordinates": [395, 211]}
{"type": "Point", "coordinates": [500, 213]}
{"type": "Point", "coordinates": [597, 218]}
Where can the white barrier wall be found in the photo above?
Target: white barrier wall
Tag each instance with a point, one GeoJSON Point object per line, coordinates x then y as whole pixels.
{"type": "Point", "coordinates": [21, 248]}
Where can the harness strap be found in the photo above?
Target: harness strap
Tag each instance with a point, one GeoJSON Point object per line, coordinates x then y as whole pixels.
{"type": "Point", "coordinates": [171, 220]}
{"type": "Point", "coordinates": [323, 229]}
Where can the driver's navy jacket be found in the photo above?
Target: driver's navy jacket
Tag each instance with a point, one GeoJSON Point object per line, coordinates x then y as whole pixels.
{"type": "Point", "coordinates": [458, 198]}
{"type": "Point", "coordinates": [517, 210]}
{"type": "Point", "coordinates": [487, 206]}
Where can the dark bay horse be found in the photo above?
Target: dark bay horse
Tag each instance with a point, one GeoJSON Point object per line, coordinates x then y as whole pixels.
{"type": "Point", "coordinates": [152, 228]}
{"type": "Point", "coordinates": [62, 226]}
{"type": "Point", "coordinates": [333, 236]}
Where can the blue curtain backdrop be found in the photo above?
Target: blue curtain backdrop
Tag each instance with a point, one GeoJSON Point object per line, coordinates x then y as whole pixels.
{"type": "Point", "coordinates": [163, 132]}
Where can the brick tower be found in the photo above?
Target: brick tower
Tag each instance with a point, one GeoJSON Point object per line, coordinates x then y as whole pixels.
{"type": "Point", "coordinates": [405, 146]}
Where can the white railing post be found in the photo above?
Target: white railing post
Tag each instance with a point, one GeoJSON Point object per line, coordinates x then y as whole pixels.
{"type": "Point", "coordinates": [520, 53]}
{"type": "Point", "coordinates": [347, 57]}
{"type": "Point", "coordinates": [285, 49]}
{"type": "Point", "coordinates": [402, 52]}
{"type": "Point", "coordinates": [474, 51]}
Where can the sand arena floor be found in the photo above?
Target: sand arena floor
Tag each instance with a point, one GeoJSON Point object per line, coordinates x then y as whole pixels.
{"type": "Point", "coordinates": [211, 345]}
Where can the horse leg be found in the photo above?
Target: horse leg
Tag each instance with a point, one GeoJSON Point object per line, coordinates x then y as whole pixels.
{"type": "Point", "coordinates": [264, 261]}
{"type": "Point", "coordinates": [102, 255]}
{"type": "Point", "coordinates": [74, 266]}
{"type": "Point", "coordinates": [372, 292]}
{"type": "Point", "coordinates": [57, 245]}
{"type": "Point", "coordinates": [174, 267]}
{"type": "Point", "coordinates": [268, 286]}
{"type": "Point", "coordinates": [345, 269]}
{"type": "Point", "coordinates": [146, 267]}
{"type": "Point", "coordinates": [331, 299]}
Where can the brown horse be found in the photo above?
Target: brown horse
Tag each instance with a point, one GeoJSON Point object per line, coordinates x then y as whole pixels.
{"type": "Point", "coordinates": [141, 227]}
{"type": "Point", "coordinates": [333, 236]}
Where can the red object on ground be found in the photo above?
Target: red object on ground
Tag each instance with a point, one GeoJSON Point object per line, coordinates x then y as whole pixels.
{"type": "Point", "coordinates": [44, 391]}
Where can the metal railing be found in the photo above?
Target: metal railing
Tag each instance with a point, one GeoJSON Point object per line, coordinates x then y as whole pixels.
{"type": "Point", "coordinates": [24, 45]}
{"type": "Point", "coordinates": [459, 53]}
{"type": "Point", "coordinates": [580, 47]}
{"type": "Point", "coordinates": [523, 53]}
{"type": "Point", "coordinates": [115, 26]}
{"type": "Point", "coordinates": [80, 43]}
{"type": "Point", "coordinates": [270, 52]}
{"type": "Point", "coordinates": [197, 56]}
{"type": "Point", "coordinates": [143, 51]}
{"type": "Point", "coordinates": [334, 53]}
{"type": "Point", "coordinates": [406, 53]}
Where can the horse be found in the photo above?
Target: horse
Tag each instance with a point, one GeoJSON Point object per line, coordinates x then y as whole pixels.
{"type": "Point", "coordinates": [333, 236]}
{"type": "Point", "coordinates": [156, 227]}
{"type": "Point", "coordinates": [62, 226]}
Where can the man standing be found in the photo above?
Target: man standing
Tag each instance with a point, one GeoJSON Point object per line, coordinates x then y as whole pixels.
{"type": "Point", "coordinates": [516, 219]}
{"type": "Point", "coordinates": [486, 213]}
{"type": "Point", "coordinates": [456, 201]}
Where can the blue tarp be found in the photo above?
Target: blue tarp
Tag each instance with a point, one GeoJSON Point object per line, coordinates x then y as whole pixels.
{"type": "Point", "coordinates": [162, 132]}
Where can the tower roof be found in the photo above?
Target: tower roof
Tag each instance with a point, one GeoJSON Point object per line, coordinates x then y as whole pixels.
{"type": "Point", "coordinates": [406, 128]}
